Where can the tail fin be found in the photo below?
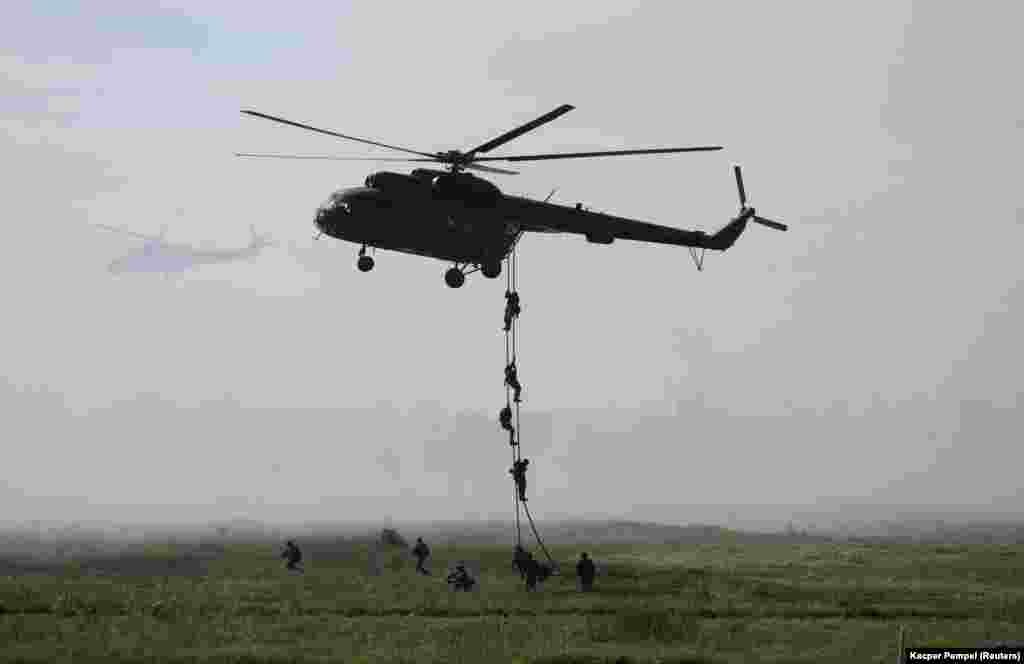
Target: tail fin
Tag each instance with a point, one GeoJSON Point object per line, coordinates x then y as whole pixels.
{"type": "Point", "coordinates": [726, 237]}
{"type": "Point", "coordinates": [258, 241]}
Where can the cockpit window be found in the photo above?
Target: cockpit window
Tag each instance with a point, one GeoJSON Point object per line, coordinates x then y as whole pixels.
{"type": "Point", "coordinates": [333, 200]}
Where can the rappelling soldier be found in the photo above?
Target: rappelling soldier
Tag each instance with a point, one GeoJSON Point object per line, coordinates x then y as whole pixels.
{"type": "Point", "coordinates": [532, 574]}
{"type": "Point", "coordinates": [527, 566]}
{"type": "Point", "coordinates": [505, 417]}
{"type": "Point", "coordinates": [521, 559]}
{"type": "Point", "coordinates": [512, 309]}
{"type": "Point", "coordinates": [518, 472]}
{"type": "Point", "coordinates": [512, 380]}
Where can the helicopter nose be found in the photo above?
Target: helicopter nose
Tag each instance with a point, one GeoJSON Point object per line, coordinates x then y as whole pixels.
{"type": "Point", "coordinates": [329, 217]}
{"type": "Point", "coordinates": [320, 221]}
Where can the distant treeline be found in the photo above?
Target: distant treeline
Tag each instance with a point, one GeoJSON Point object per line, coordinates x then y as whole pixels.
{"type": "Point", "coordinates": [74, 541]}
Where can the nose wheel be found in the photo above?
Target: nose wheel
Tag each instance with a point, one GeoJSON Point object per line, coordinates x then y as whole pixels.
{"type": "Point", "coordinates": [454, 277]}
{"type": "Point", "coordinates": [365, 263]}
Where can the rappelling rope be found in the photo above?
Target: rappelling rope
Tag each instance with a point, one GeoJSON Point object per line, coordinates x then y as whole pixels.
{"type": "Point", "coordinates": [509, 342]}
{"type": "Point", "coordinates": [511, 355]}
{"type": "Point", "coordinates": [537, 535]}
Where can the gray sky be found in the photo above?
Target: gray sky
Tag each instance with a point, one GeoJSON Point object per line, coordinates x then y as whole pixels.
{"type": "Point", "coordinates": [869, 354]}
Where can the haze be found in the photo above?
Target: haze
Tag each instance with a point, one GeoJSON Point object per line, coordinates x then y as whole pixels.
{"type": "Point", "coordinates": [868, 357]}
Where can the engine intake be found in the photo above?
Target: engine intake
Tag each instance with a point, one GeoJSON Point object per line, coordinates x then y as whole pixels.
{"type": "Point", "coordinates": [470, 189]}
{"type": "Point", "coordinates": [387, 181]}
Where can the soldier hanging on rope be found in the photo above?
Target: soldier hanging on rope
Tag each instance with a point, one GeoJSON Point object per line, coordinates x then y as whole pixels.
{"type": "Point", "coordinates": [532, 571]}
{"type": "Point", "coordinates": [521, 558]}
{"type": "Point", "coordinates": [518, 472]}
{"type": "Point", "coordinates": [512, 380]}
{"type": "Point", "coordinates": [505, 417]}
{"type": "Point", "coordinates": [512, 309]}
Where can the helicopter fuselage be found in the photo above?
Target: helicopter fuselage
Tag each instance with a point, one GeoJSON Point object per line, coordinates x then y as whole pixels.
{"type": "Point", "coordinates": [460, 218]}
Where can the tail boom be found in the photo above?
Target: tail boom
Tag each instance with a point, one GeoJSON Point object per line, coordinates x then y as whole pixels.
{"type": "Point", "coordinates": [727, 236]}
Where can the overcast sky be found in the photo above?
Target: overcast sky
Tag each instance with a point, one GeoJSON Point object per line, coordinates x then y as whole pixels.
{"type": "Point", "coordinates": [826, 364]}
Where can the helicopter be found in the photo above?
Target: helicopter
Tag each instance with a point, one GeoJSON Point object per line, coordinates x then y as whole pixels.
{"type": "Point", "coordinates": [159, 256]}
{"type": "Point", "coordinates": [463, 219]}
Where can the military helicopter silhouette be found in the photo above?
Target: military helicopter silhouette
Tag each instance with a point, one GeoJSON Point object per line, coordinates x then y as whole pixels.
{"type": "Point", "coordinates": [160, 256]}
{"type": "Point", "coordinates": [461, 218]}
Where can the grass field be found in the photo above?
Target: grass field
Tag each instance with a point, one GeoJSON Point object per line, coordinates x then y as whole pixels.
{"type": "Point", "coordinates": [720, 601]}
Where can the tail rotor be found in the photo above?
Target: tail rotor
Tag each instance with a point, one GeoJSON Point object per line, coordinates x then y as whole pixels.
{"type": "Point", "coordinates": [749, 213]}
{"type": "Point", "coordinates": [260, 241]}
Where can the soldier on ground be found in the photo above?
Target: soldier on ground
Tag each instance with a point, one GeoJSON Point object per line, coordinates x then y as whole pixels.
{"type": "Point", "coordinates": [422, 552]}
{"type": "Point", "coordinates": [521, 558]}
{"type": "Point", "coordinates": [460, 579]}
{"type": "Point", "coordinates": [585, 570]}
{"type": "Point", "coordinates": [292, 557]}
{"type": "Point", "coordinates": [532, 574]}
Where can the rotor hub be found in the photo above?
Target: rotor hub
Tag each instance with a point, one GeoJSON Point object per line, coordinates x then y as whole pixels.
{"type": "Point", "coordinates": [456, 159]}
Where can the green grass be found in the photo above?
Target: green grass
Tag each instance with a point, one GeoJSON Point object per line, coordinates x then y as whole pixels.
{"type": "Point", "coordinates": [719, 602]}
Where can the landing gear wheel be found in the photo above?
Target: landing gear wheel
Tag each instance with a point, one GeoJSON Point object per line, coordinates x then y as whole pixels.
{"type": "Point", "coordinates": [491, 270]}
{"type": "Point", "coordinates": [365, 263]}
{"type": "Point", "coordinates": [454, 277]}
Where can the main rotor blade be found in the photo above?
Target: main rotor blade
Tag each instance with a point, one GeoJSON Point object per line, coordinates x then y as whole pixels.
{"type": "Point", "coordinates": [771, 224]}
{"type": "Point", "coordinates": [115, 229]}
{"type": "Point", "coordinates": [332, 158]}
{"type": "Point", "coordinates": [519, 131]}
{"type": "Point", "coordinates": [490, 169]}
{"type": "Point", "coordinates": [605, 153]}
{"type": "Point", "coordinates": [739, 185]}
{"type": "Point", "coordinates": [335, 134]}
